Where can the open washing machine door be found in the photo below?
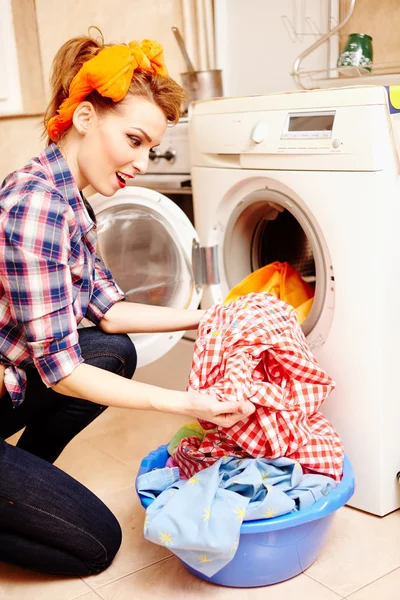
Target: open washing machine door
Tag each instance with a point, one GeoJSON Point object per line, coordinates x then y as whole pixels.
{"type": "Point", "coordinates": [146, 241]}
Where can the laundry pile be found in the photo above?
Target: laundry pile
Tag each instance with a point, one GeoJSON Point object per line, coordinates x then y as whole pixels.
{"type": "Point", "coordinates": [285, 456]}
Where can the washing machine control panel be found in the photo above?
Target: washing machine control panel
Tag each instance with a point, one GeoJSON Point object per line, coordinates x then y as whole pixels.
{"type": "Point", "coordinates": [309, 125]}
{"type": "Point", "coordinates": [330, 138]}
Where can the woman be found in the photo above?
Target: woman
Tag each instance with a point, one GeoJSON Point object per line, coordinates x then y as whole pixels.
{"type": "Point", "coordinates": [110, 106]}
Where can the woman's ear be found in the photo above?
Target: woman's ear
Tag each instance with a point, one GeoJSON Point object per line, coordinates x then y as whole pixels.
{"type": "Point", "coordinates": [82, 117]}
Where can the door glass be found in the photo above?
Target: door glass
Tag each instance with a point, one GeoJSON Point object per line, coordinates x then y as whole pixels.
{"type": "Point", "coordinates": [143, 253]}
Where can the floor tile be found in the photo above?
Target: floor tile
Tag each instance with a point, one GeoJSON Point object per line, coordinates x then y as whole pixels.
{"type": "Point", "coordinates": [360, 548]}
{"type": "Point", "coordinates": [141, 432]}
{"type": "Point", "coordinates": [135, 552]}
{"type": "Point", "coordinates": [14, 438]}
{"type": "Point", "coordinates": [386, 588]}
{"type": "Point", "coordinates": [19, 584]}
{"type": "Point", "coordinates": [170, 580]}
{"type": "Point", "coordinates": [89, 596]}
{"type": "Point", "coordinates": [101, 473]}
{"type": "Point", "coordinates": [111, 419]}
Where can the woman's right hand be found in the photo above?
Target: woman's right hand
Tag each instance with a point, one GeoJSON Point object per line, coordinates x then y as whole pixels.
{"type": "Point", "coordinates": [224, 414]}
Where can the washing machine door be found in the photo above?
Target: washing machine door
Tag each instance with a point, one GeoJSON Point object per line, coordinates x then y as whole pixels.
{"type": "Point", "coordinates": [146, 241]}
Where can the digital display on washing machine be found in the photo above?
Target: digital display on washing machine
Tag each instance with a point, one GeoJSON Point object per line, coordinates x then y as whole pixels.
{"type": "Point", "coordinates": [309, 125]}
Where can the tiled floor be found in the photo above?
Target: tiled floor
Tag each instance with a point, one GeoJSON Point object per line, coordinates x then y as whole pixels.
{"type": "Point", "coordinates": [360, 561]}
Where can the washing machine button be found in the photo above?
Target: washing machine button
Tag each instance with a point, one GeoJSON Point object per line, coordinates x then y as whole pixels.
{"type": "Point", "coordinates": [336, 143]}
{"type": "Point", "coordinates": [258, 133]}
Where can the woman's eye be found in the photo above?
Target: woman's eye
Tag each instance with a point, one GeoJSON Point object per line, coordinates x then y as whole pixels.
{"type": "Point", "coordinates": [136, 142]}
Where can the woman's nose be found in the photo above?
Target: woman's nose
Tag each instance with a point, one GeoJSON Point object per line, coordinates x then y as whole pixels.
{"type": "Point", "coordinates": [141, 162]}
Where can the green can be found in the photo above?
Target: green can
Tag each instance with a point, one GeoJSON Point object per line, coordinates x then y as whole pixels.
{"type": "Point", "coordinates": [357, 52]}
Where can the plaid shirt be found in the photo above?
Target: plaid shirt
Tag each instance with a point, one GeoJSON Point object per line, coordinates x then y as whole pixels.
{"type": "Point", "coordinates": [254, 349]}
{"type": "Point", "coordinates": [50, 277]}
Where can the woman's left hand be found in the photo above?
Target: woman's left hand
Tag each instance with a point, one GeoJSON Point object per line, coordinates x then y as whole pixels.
{"type": "Point", "coordinates": [224, 414]}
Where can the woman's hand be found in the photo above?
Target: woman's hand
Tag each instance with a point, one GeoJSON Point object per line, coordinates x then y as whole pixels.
{"type": "Point", "coordinates": [224, 414]}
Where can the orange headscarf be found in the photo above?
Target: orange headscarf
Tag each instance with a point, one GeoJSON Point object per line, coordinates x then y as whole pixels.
{"type": "Point", "coordinates": [110, 73]}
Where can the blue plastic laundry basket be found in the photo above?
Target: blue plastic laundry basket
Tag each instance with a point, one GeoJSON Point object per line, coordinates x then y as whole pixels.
{"type": "Point", "coordinates": [272, 550]}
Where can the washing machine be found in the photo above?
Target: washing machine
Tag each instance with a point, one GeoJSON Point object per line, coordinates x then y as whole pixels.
{"type": "Point", "coordinates": [312, 178]}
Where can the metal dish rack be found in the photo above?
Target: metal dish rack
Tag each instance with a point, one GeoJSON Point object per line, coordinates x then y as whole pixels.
{"type": "Point", "coordinates": [380, 74]}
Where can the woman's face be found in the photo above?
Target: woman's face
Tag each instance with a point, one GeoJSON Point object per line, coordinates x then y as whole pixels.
{"type": "Point", "coordinates": [116, 145]}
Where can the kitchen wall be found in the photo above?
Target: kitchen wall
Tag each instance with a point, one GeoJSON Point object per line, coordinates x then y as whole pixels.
{"type": "Point", "coordinates": [120, 21]}
{"type": "Point", "coordinates": [381, 20]}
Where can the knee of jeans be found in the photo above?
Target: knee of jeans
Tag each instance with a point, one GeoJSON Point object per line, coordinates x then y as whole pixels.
{"type": "Point", "coordinates": [116, 353]}
{"type": "Point", "coordinates": [111, 542]}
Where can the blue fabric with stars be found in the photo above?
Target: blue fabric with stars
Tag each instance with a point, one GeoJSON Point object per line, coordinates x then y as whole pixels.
{"type": "Point", "coordinates": [199, 519]}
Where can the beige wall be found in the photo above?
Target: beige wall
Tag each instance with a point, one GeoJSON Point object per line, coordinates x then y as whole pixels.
{"type": "Point", "coordinates": [381, 20]}
{"type": "Point", "coordinates": [120, 21]}
{"type": "Point", "coordinates": [20, 141]}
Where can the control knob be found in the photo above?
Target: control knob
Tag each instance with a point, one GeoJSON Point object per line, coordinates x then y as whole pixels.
{"type": "Point", "coordinates": [258, 133]}
{"type": "Point", "coordinates": [170, 154]}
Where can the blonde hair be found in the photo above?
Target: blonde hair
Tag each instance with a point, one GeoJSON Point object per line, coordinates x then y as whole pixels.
{"type": "Point", "coordinates": [166, 93]}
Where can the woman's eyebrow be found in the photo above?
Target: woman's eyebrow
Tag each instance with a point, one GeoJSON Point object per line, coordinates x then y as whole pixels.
{"type": "Point", "coordinates": [148, 138]}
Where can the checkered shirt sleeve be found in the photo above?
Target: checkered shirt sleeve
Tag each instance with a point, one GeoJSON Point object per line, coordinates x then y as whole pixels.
{"type": "Point", "coordinates": [36, 281]}
{"type": "Point", "coordinates": [105, 293]}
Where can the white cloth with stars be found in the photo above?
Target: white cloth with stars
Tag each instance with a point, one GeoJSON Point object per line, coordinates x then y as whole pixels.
{"type": "Point", "coordinates": [199, 519]}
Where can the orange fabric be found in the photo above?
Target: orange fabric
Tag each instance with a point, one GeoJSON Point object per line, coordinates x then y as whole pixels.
{"type": "Point", "coordinates": [280, 280]}
{"type": "Point", "coordinates": [110, 72]}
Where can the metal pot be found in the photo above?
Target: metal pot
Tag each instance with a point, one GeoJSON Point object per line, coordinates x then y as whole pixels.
{"type": "Point", "coordinates": [201, 85]}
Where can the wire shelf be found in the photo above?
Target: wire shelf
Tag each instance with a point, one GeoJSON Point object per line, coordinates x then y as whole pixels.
{"type": "Point", "coordinates": [380, 74]}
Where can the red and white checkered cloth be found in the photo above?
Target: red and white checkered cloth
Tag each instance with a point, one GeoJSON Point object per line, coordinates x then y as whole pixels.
{"type": "Point", "coordinates": [254, 349]}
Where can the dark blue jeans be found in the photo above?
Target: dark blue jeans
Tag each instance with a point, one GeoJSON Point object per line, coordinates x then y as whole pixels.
{"type": "Point", "coordinates": [48, 521]}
